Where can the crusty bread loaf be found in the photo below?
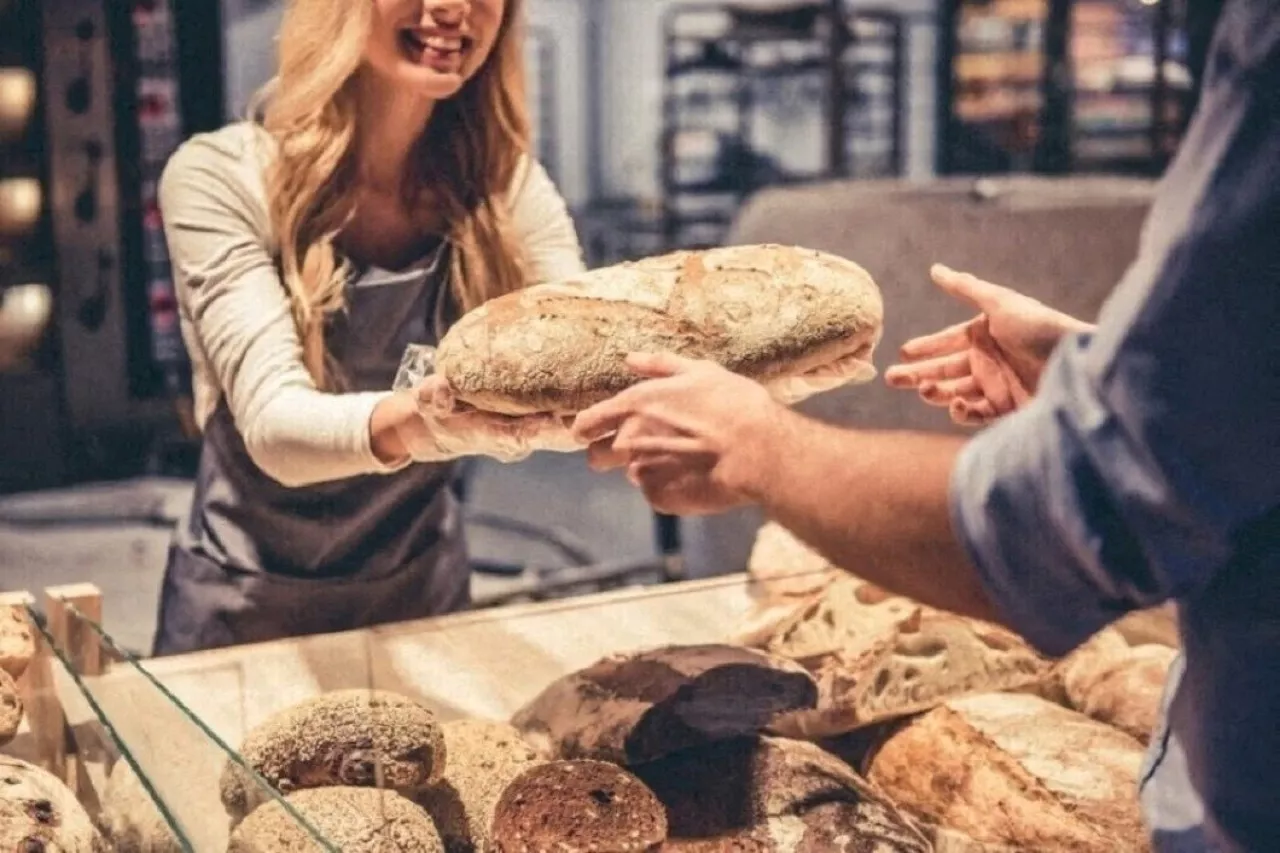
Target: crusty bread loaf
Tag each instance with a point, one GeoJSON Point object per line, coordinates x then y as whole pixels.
{"type": "Point", "coordinates": [879, 656]}
{"type": "Point", "coordinates": [1121, 685]}
{"type": "Point", "coordinates": [353, 820]}
{"type": "Point", "coordinates": [351, 737]}
{"type": "Point", "coordinates": [1010, 771]}
{"type": "Point", "coordinates": [774, 313]}
{"type": "Point", "coordinates": [38, 812]}
{"type": "Point", "coordinates": [639, 706]}
{"type": "Point", "coordinates": [781, 566]}
{"type": "Point", "coordinates": [130, 820]}
{"type": "Point", "coordinates": [11, 709]}
{"type": "Point", "coordinates": [484, 757]}
{"type": "Point", "coordinates": [17, 640]}
{"type": "Point", "coordinates": [578, 807]}
{"type": "Point", "coordinates": [774, 796]}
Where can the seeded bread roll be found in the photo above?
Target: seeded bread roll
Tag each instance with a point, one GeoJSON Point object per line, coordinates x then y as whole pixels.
{"type": "Point", "coordinates": [636, 707]}
{"type": "Point", "coordinates": [774, 313]}
{"type": "Point", "coordinates": [361, 738]}
{"type": "Point", "coordinates": [1013, 772]}
{"type": "Point", "coordinates": [578, 807]}
{"type": "Point", "coordinates": [17, 640]}
{"type": "Point", "coordinates": [10, 708]}
{"type": "Point", "coordinates": [484, 757]}
{"type": "Point", "coordinates": [879, 656]}
{"type": "Point", "coordinates": [773, 795]}
{"type": "Point", "coordinates": [130, 820]}
{"type": "Point", "coordinates": [39, 813]}
{"type": "Point", "coordinates": [353, 820]}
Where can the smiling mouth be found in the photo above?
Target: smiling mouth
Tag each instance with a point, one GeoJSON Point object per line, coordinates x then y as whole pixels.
{"type": "Point", "coordinates": [432, 48]}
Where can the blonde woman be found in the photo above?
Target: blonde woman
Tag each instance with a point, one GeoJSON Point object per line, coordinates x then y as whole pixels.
{"type": "Point", "coordinates": [387, 189]}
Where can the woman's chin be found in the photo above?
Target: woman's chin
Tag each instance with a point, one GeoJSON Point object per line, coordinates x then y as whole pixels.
{"type": "Point", "coordinates": [430, 83]}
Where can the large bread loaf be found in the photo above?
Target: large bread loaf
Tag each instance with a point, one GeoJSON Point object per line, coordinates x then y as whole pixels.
{"type": "Point", "coordinates": [635, 707]}
{"type": "Point", "coordinates": [38, 812]}
{"type": "Point", "coordinates": [484, 757]}
{"type": "Point", "coordinates": [351, 737]}
{"type": "Point", "coordinates": [878, 656]}
{"type": "Point", "coordinates": [798, 320]}
{"type": "Point", "coordinates": [578, 807]}
{"type": "Point", "coordinates": [1120, 685]}
{"type": "Point", "coordinates": [1013, 772]}
{"type": "Point", "coordinates": [771, 795]}
{"type": "Point", "coordinates": [353, 820]}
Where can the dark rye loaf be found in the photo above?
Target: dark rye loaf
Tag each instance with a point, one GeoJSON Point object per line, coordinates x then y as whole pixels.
{"type": "Point", "coordinates": [635, 707]}
{"type": "Point", "coordinates": [773, 313]}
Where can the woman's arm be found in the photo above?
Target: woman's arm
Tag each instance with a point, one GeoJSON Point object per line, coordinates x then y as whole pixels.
{"type": "Point", "coordinates": [542, 223]}
{"type": "Point", "coordinates": [217, 229]}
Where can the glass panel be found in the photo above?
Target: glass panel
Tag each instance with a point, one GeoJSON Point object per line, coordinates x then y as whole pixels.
{"type": "Point", "coordinates": [156, 769]}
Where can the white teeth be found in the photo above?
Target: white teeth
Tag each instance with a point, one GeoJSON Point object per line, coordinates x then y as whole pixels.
{"type": "Point", "coordinates": [443, 44]}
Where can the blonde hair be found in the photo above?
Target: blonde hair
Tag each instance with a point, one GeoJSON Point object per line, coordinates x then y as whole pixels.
{"type": "Point", "coordinates": [463, 163]}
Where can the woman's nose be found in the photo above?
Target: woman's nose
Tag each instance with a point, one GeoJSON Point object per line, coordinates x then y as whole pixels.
{"type": "Point", "coordinates": [448, 12]}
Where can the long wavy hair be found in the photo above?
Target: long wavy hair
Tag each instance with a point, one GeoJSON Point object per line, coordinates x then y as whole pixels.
{"type": "Point", "coordinates": [463, 164]}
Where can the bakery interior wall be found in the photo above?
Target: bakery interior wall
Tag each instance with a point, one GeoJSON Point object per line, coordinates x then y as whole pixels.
{"type": "Point", "coordinates": [597, 90]}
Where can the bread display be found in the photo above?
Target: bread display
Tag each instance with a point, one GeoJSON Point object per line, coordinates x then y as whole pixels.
{"type": "Point", "coordinates": [773, 796]}
{"type": "Point", "coordinates": [353, 820]}
{"type": "Point", "coordinates": [130, 820]}
{"type": "Point", "coordinates": [355, 737]}
{"type": "Point", "coordinates": [878, 656]}
{"type": "Point", "coordinates": [1010, 771]}
{"type": "Point", "coordinates": [17, 640]}
{"type": "Point", "coordinates": [484, 756]}
{"type": "Point", "coordinates": [38, 812]}
{"type": "Point", "coordinates": [11, 709]}
{"type": "Point", "coordinates": [635, 707]}
{"type": "Point", "coordinates": [795, 319]}
{"type": "Point", "coordinates": [578, 807]}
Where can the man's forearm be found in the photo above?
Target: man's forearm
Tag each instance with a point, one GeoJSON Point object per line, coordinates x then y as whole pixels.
{"type": "Point", "coordinates": [875, 504]}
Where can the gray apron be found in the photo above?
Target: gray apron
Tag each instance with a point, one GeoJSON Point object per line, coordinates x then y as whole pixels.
{"type": "Point", "coordinates": [257, 561]}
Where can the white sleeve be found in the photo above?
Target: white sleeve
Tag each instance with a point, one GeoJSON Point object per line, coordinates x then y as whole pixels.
{"type": "Point", "coordinates": [542, 222]}
{"type": "Point", "coordinates": [216, 225]}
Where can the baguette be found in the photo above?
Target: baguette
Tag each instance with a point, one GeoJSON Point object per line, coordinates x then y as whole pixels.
{"type": "Point", "coordinates": [799, 321]}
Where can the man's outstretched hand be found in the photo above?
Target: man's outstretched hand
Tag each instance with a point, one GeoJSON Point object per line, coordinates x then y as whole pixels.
{"type": "Point", "coordinates": [990, 365]}
{"type": "Point", "coordinates": [695, 437]}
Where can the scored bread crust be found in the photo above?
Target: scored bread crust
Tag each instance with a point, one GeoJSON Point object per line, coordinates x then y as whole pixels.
{"type": "Point", "coordinates": [1010, 771]}
{"type": "Point", "coordinates": [768, 312]}
{"type": "Point", "coordinates": [636, 707]}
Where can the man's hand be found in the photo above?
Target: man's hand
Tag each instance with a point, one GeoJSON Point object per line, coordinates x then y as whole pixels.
{"type": "Point", "coordinates": [987, 366]}
{"type": "Point", "coordinates": [696, 438]}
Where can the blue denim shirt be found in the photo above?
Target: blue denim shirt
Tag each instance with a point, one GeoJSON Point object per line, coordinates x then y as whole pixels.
{"type": "Point", "coordinates": [1147, 468]}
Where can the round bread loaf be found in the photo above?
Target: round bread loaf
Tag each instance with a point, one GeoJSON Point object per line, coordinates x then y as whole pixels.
{"type": "Point", "coordinates": [578, 807]}
{"type": "Point", "coordinates": [353, 820]}
{"type": "Point", "coordinates": [130, 820]}
{"type": "Point", "coordinates": [772, 795]}
{"type": "Point", "coordinates": [17, 640]}
{"type": "Point", "coordinates": [38, 813]}
{"type": "Point", "coordinates": [361, 738]}
{"type": "Point", "coordinates": [774, 313]}
{"type": "Point", "coordinates": [10, 708]}
{"type": "Point", "coordinates": [484, 757]}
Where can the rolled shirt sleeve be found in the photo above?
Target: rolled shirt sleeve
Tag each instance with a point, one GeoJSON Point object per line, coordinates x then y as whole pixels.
{"type": "Point", "coordinates": [1153, 443]}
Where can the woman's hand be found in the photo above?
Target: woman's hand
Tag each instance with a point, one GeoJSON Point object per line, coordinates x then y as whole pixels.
{"type": "Point", "coordinates": [429, 425]}
{"type": "Point", "coordinates": [988, 366]}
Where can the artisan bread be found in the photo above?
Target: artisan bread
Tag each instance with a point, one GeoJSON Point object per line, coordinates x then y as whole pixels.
{"type": "Point", "coordinates": [10, 708]}
{"type": "Point", "coordinates": [1119, 685]}
{"type": "Point", "coordinates": [773, 796]}
{"type": "Point", "coordinates": [356, 737]}
{"type": "Point", "coordinates": [38, 812]}
{"type": "Point", "coordinates": [578, 807]}
{"type": "Point", "coordinates": [635, 707]}
{"type": "Point", "coordinates": [484, 757]}
{"type": "Point", "coordinates": [130, 820]}
{"type": "Point", "coordinates": [1013, 772]}
{"type": "Point", "coordinates": [353, 820]}
{"type": "Point", "coordinates": [878, 656]}
{"type": "Point", "coordinates": [17, 640]}
{"type": "Point", "coordinates": [798, 320]}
